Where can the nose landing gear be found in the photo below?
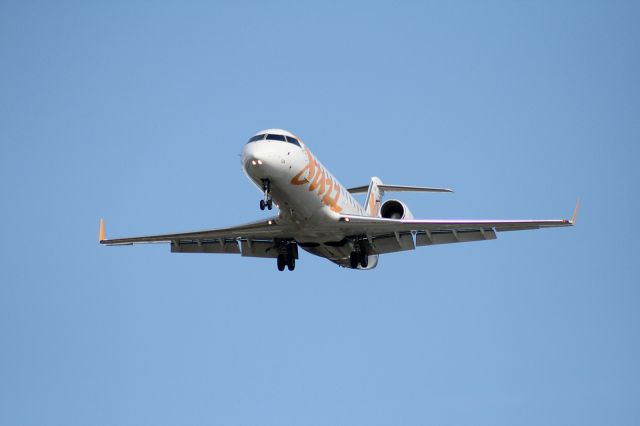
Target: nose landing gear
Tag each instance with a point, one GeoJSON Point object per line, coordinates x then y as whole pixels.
{"type": "Point", "coordinates": [266, 201]}
{"type": "Point", "coordinates": [268, 204]}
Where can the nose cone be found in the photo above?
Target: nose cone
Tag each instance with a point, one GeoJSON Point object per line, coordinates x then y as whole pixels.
{"type": "Point", "coordinates": [261, 159]}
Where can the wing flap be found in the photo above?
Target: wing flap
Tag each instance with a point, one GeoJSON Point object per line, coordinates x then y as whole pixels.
{"type": "Point", "coordinates": [393, 243]}
{"type": "Point", "coordinates": [251, 248]}
{"type": "Point", "coordinates": [427, 238]}
{"type": "Point", "coordinates": [206, 246]}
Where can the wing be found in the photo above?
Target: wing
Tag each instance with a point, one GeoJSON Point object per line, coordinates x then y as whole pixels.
{"type": "Point", "coordinates": [389, 235]}
{"type": "Point", "coordinates": [257, 239]}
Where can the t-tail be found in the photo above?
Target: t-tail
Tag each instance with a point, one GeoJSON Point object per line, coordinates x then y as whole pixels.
{"type": "Point", "coordinates": [376, 189]}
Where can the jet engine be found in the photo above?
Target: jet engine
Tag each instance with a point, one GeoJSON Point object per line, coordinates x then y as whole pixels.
{"type": "Point", "coordinates": [394, 209]}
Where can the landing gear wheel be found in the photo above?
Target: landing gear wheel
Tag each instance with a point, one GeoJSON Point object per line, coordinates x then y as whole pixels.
{"type": "Point", "coordinates": [353, 260]}
{"type": "Point", "coordinates": [364, 259]}
{"type": "Point", "coordinates": [262, 204]}
{"type": "Point", "coordinates": [281, 262]}
{"type": "Point", "coordinates": [269, 204]}
{"type": "Point", "coordinates": [291, 263]}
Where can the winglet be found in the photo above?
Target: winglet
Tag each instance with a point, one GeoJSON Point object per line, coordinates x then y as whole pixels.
{"type": "Point", "coordinates": [101, 230]}
{"type": "Point", "coordinates": [575, 212]}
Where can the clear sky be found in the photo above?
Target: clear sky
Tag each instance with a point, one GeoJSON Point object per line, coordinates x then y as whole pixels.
{"type": "Point", "coordinates": [137, 111]}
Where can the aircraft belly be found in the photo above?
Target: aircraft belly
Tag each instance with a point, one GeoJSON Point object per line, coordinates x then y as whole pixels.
{"type": "Point", "coordinates": [340, 255]}
{"type": "Point", "coordinates": [331, 253]}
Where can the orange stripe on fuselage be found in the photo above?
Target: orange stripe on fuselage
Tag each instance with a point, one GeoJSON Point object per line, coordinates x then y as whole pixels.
{"type": "Point", "coordinates": [315, 174]}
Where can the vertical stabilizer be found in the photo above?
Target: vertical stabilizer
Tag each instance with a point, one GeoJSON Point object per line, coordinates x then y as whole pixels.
{"type": "Point", "coordinates": [372, 202]}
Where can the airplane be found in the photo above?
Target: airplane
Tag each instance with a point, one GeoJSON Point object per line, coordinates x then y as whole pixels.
{"type": "Point", "coordinates": [318, 214]}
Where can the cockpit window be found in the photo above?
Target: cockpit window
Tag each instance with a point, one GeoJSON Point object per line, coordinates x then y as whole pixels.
{"type": "Point", "coordinates": [272, 137]}
{"type": "Point", "coordinates": [276, 138]}
{"type": "Point", "coordinates": [256, 138]}
{"type": "Point", "coordinates": [293, 140]}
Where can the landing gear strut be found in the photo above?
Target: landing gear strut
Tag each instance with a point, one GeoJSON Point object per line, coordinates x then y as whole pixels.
{"type": "Point", "coordinates": [266, 201]}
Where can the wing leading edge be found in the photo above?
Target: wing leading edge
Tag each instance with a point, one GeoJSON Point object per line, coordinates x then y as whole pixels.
{"type": "Point", "coordinates": [264, 229]}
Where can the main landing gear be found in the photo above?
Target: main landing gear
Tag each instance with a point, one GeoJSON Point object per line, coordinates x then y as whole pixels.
{"type": "Point", "coordinates": [359, 257]}
{"type": "Point", "coordinates": [266, 201]}
{"type": "Point", "coordinates": [287, 258]}
{"type": "Point", "coordinates": [288, 261]}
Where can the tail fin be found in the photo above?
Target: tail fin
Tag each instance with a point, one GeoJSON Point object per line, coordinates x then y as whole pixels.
{"type": "Point", "coordinates": [376, 190]}
{"type": "Point", "coordinates": [372, 202]}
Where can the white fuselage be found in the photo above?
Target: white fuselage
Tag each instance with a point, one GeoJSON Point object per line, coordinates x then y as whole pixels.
{"type": "Point", "coordinates": [306, 193]}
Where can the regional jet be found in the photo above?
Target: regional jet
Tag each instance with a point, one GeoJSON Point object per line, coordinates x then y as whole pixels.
{"type": "Point", "coordinates": [318, 214]}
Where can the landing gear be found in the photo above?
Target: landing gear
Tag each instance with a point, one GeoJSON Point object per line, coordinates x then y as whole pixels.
{"type": "Point", "coordinates": [266, 201]}
{"type": "Point", "coordinates": [354, 259]}
{"type": "Point", "coordinates": [359, 257]}
{"type": "Point", "coordinates": [364, 259]}
{"type": "Point", "coordinates": [287, 258]}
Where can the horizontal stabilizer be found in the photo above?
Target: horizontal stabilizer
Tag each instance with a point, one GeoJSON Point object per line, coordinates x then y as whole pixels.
{"type": "Point", "coordinates": [398, 188]}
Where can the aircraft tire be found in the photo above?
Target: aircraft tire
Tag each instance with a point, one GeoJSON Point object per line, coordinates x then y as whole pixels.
{"type": "Point", "coordinates": [353, 260]}
{"type": "Point", "coordinates": [281, 262]}
{"type": "Point", "coordinates": [291, 263]}
{"type": "Point", "coordinates": [262, 204]}
{"type": "Point", "coordinates": [364, 259]}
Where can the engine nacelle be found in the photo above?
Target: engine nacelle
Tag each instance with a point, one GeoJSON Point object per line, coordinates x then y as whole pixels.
{"type": "Point", "coordinates": [395, 209]}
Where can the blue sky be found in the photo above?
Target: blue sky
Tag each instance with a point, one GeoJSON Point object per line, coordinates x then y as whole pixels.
{"type": "Point", "coordinates": [137, 111]}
